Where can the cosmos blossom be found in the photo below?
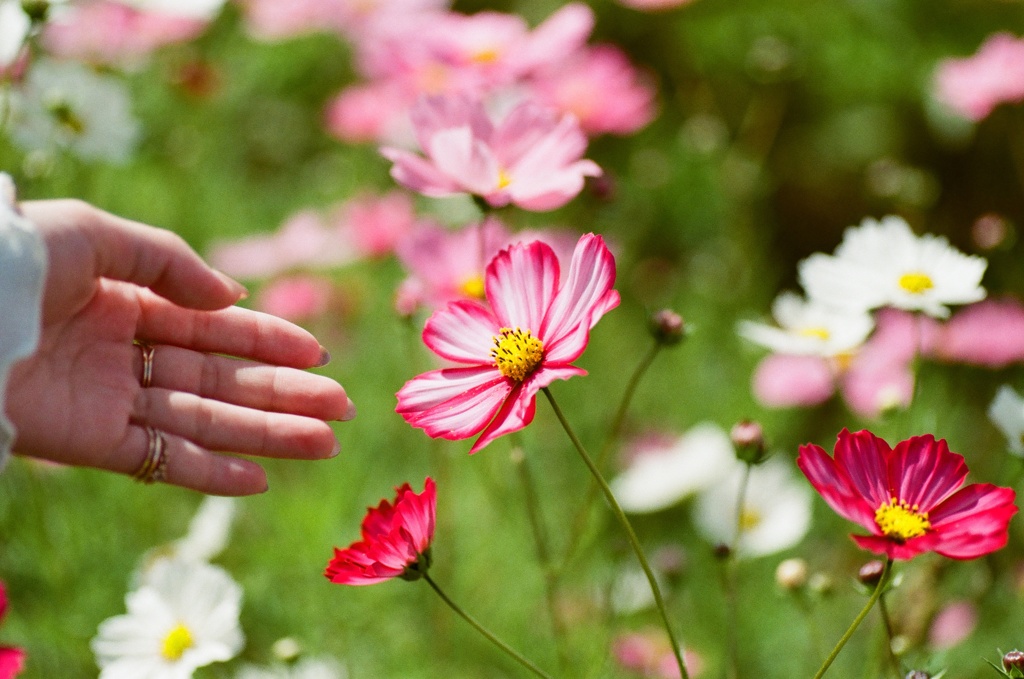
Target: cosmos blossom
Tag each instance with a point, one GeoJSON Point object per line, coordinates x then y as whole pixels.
{"type": "Point", "coordinates": [535, 326]}
{"type": "Point", "coordinates": [531, 158]}
{"type": "Point", "coordinates": [11, 659]}
{"type": "Point", "coordinates": [395, 540]}
{"type": "Point", "coordinates": [910, 498]}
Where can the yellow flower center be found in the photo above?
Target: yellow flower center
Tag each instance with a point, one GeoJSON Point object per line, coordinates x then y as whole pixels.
{"type": "Point", "coordinates": [503, 179]}
{"type": "Point", "coordinates": [473, 287]}
{"type": "Point", "coordinates": [916, 282]}
{"type": "Point", "coordinates": [177, 641]}
{"type": "Point", "coordinates": [486, 56]}
{"type": "Point", "coordinates": [517, 353]}
{"type": "Point", "coordinates": [817, 333]}
{"type": "Point", "coordinates": [901, 521]}
{"type": "Point", "coordinates": [749, 519]}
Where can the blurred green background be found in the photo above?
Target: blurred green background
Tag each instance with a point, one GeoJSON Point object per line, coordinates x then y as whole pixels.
{"type": "Point", "coordinates": [780, 124]}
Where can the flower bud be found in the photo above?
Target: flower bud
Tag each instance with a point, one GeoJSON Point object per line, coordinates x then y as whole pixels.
{"type": "Point", "coordinates": [286, 649]}
{"type": "Point", "coordinates": [791, 574]}
{"type": "Point", "coordinates": [821, 584]}
{"type": "Point", "coordinates": [917, 674]}
{"type": "Point", "coordinates": [1013, 663]}
{"type": "Point", "coordinates": [667, 327]}
{"type": "Point", "coordinates": [748, 437]}
{"type": "Point", "coordinates": [36, 10]}
{"type": "Point", "coordinates": [870, 573]}
{"type": "Point", "coordinates": [722, 551]}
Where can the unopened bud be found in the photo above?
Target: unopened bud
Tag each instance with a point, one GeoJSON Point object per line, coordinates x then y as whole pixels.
{"type": "Point", "coordinates": [722, 551]}
{"type": "Point", "coordinates": [821, 584]}
{"type": "Point", "coordinates": [748, 437]}
{"type": "Point", "coordinates": [36, 10]}
{"type": "Point", "coordinates": [286, 649]}
{"type": "Point", "coordinates": [870, 573]}
{"type": "Point", "coordinates": [791, 574]}
{"type": "Point", "coordinates": [667, 327]}
{"type": "Point", "coordinates": [917, 674]}
{"type": "Point", "coordinates": [670, 560]}
{"type": "Point", "coordinates": [990, 231]}
{"type": "Point", "coordinates": [1013, 663]}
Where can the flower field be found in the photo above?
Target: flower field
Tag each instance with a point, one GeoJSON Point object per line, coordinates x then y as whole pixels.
{"type": "Point", "coordinates": [686, 337]}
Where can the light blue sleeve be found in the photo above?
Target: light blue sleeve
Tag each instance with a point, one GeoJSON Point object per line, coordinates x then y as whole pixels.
{"type": "Point", "coordinates": [22, 274]}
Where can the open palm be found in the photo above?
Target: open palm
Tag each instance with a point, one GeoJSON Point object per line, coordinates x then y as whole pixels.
{"type": "Point", "coordinates": [224, 378]}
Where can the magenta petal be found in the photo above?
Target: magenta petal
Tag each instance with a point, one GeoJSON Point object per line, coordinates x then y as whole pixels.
{"type": "Point", "coordinates": [521, 282]}
{"type": "Point", "coordinates": [12, 662]}
{"type": "Point", "coordinates": [462, 332]}
{"type": "Point", "coordinates": [961, 508]}
{"type": "Point", "coordinates": [896, 550]}
{"type": "Point", "coordinates": [834, 486]}
{"type": "Point", "coordinates": [864, 457]}
{"type": "Point", "coordinates": [516, 412]}
{"type": "Point", "coordinates": [462, 415]}
{"type": "Point", "coordinates": [923, 471]}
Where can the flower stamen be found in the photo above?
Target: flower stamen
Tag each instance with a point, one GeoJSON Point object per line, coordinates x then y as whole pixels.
{"type": "Point", "coordinates": [901, 521]}
{"type": "Point", "coordinates": [177, 641]}
{"type": "Point", "coordinates": [820, 333]}
{"type": "Point", "coordinates": [517, 353]}
{"type": "Point", "coordinates": [916, 282]}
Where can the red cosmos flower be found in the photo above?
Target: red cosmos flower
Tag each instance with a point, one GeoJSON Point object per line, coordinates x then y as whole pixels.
{"type": "Point", "coordinates": [12, 659]}
{"type": "Point", "coordinates": [910, 498]}
{"type": "Point", "coordinates": [534, 329]}
{"type": "Point", "coordinates": [396, 540]}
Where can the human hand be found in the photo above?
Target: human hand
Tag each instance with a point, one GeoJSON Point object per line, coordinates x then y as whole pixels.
{"type": "Point", "coordinates": [79, 399]}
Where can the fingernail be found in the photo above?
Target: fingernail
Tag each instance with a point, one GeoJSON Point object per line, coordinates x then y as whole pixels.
{"type": "Point", "coordinates": [350, 411]}
{"type": "Point", "coordinates": [325, 357]}
{"type": "Point", "coordinates": [336, 449]}
{"type": "Point", "coordinates": [241, 292]}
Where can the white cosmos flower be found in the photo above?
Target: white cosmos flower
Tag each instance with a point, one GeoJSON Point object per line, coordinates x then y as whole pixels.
{"type": "Point", "coordinates": [1007, 413]}
{"type": "Point", "coordinates": [882, 263]}
{"type": "Point", "coordinates": [307, 668]}
{"type": "Point", "coordinates": [665, 470]}
{"type": "Point", "coordinates": [183, 618]}
{"type": "Point", "coordinates": [776, 510]}
{"type": "Point", "coordinates": [809, 328]}
{"type": "Point", "coordinates": [14, 27]}
{"type": "Point", "coordinates": [66, 105]}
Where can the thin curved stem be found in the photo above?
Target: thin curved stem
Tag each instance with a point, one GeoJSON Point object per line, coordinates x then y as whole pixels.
{"type": "Point", "coordinates": [731, 577]}
{"type": "Point", "coordinates": [634, 542]}
{"type": "Point", "coordinates": [484, 631]}
{"type": "Point", "coordinates": [882, 581]}
{"type": "Point", "coordinates": [889, 636]}
{"type": "Point", "coordinates": [540, 538]}
{"type": "Point", "coordinates": [580, 518]}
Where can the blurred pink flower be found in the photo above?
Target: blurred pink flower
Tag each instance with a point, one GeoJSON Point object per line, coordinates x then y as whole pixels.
{"type": "Point", "coordinates": [648, 654]}
{"type": "Point", "coordinates": [295, 298]}
{"type": "Point", "coordinates": [278, 19]}
{"type": "Point", "coordinates": [953, 624]}
{"type": "Point", "coordinates": [875, 378]}
{"type": "Point", "coordinates": [532, 158]}
{"type": "Point", "coordinates": [601, 88]}
{"type": "Point", "coordinates": [12, 659]}
{"type": "Point", "coordinates": [975, 85]}
{"type": "Point", "coordinates": [375, 225]}
{"type": "Point", "coordinates": [448, 264]}
{"type": "Point", "coordinates": [989, 333]}
{"type": "Point", "coordinates": [303, 241]}
{"type": "Point", "coordinates": [371, 112]}
{"type": "Point", "coordinates": [653, 5]}
{"type": "Point", "coordinates": [114, 33]}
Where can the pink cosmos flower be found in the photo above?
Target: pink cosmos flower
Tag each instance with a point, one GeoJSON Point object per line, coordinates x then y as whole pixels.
{"type": "Point", "coordinates": [910, 498]}
{"type": "Point", "coordinates": [114, 33]}
{"type": "Point", "coordinates": [12, 660]}
{"type": "Point", "coordinates": [535, 327]}
{"type": "Point", "coordinates": [395, 540]}
{"type": "Point", "coordinates": [646, 653]}
{"type": "Point", "coordinates": [377, 224]}
{"type": "Point", "coordinates": [653, 5]}
{"type": "Point", "coordinates": [601, 88]}
{"type": "Point", "coordinates": [975, 85]}
{"type": "Point", "coordinates": [953, 624]}
{"type": "Point", "coordinates": [532, 158]}
{"type": "Point", "coordinates": [371, 112]}
{"type": "Point", "coordinates": [989, 333]}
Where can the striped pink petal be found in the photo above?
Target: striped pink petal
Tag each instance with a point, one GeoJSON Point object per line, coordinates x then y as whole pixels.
{"type": "Point", "coordinates": [463, 332]}
{"type": "Point", "coordinates": [521, 282]}
{"type": "Point", "coordinates": [454, 403]}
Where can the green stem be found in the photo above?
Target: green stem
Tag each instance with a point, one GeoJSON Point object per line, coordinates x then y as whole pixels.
{"type": "Point", "coordinates": [579, 521]}
{"type": "Point", "coordinates": [882, 581]}
{"type": "Point", "coordinates": [887, 622]}
{"type": "Point", "coordinates": [634, 542]}
{"type": "Point", "coordinates": [540, 539]}
{"type": "Point", "coordinates": [484, 631]}
{"type": "Point", "coordinates": [731, 576]}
